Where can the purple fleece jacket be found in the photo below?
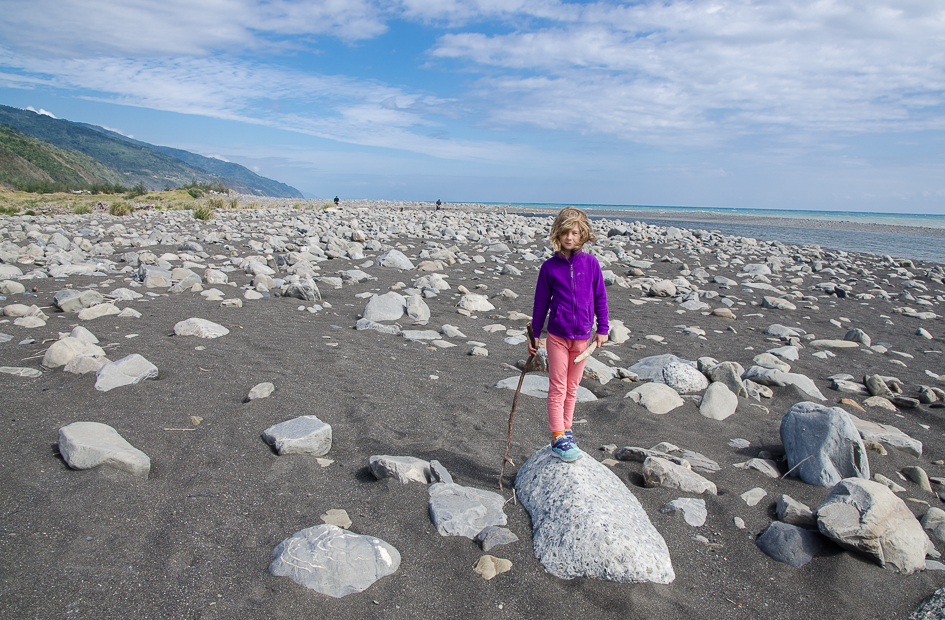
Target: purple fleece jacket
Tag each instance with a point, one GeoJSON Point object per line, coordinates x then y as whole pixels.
{"type": "Point", "coordinates": [573, 290]}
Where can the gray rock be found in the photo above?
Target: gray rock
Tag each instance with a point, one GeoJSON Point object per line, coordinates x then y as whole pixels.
{"type": "Point", "coordinates": [932, 608]}
{"type": "Point", "coordinates": [659, 472]}
{"type": "Point", "coordinates": [822, 444]}
{"type": "Point", "coordinates": [261, 390]}
{"type": "Point", "coordinates": [417, 309]}
{"type": "Point", "coordinates": [537, 386]}
{"type": "Point", "coordinates": [934, 521]}
{"type": "Point", "coordinates": [655, 397]}
{"type": "Point", "coordinates": [753, 496]}
{"type": "Point", "coordinates": [85, 364]}
{"type": "Point", "coordinates": [420, 335]}
{"type": "Point", "coordinates": [403, 468]}
{"type": "Point", "coordinates": [475, 303]}
{"type": "Point", "coordinates": [692, 510]}
{"type": "Point", "coordinates": [62, 351]}
{"type": "Point", "coordinates": [698, 461]}
{"type": "Point", "coordinates": [129, 370]}
{"type": "Point", "coordinates": [849, 387]}
{"type": "Point", "coordinates": [876, 386]}
{"type": "Point", "coordinates": [464, 511]}
{"type": "Point", "coordinates": [587, 523]}
{"type": "Point", "coordinates": [201, 328]}
{"type": "Point", "coordinates": [782, 332]}
{"type": "Point", "coordinates": [764, 466]}
{"type": "Point", "coordinates": [887, 435]}
{"type": "Point", "coordinates": [769, 376]}
{"type": "Point", "coordinates": [20, 371]}
{"type": "Point", "coordinates": [858, 335]}
{"type": "Point", "coordinates": [730, 374]}
{"type": "Point", "coordinates": [69, 300]}
{"type": "Point", "coordinates": [651, 368]}
{"type": "Point", "coordinates": [866, 517]}
{"type": "Point", "coordinates": [439, 473]}
{"type": "Point", "coordinates": [718, 402]}
{"type": "Point", "coordinates": [919, 476]}
{"type": "Point", "coordinates": [790, 354]}
{"type": "Point", "coordinates": [303, 435]}
{"type": "Point", "coordinates": [789, 510]}
{"type": "Point", "coordinates": [768, 360]}
{"type": "Point", "coordinates": [83, 334]}
{"type": "Point", "coordinates": [387, 307]}
{"type": "Point", "coordinates": [332, 561]}
{"type": "Point", "coordinates": [363, 324]}
{"type": "Point", "coordinates": [494, 536]}
{"type": "Point", "coordinates": [395, 259]}
{"type": "Point", "coordinates": [596, 370]}
{"type": "Point", "coordinates": [306, 290]}
{"type": "Point", "coordinates": [790, 544]}
{"type": "Point", "coordinates": [84, 445]}
{"type": "Point", "coordinates": [684, 378]}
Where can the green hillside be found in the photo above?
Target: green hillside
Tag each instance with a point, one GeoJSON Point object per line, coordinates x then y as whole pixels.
{"type": "Point", "coordinates": [137, 161]}
{"type": "Point", "coordinates": [26, 161]}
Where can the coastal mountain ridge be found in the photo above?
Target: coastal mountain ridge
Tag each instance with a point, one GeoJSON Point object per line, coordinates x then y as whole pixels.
{"type": "Point", "coordinates": [119, 159]}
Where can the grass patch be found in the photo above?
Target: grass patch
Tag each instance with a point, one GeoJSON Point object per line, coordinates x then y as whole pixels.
{"type": "Point", "coordinates": [195, 192]}
{"type": "Point", "coordinates": [120, 208]}
{"type": "Point", "coordinates": [5, 210]}
{"type": "Point", "coordinates": [215, 202]}
{"type": "Point", "coordinates": [81, 210]}
{"type": "Point", "coordinates": [203, 212]}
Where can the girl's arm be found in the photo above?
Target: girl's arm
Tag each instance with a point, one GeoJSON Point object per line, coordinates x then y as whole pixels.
{"type": "Point", "coordinates": [540, 307]}
{"type": "Point", "coordinates": [600, 306]}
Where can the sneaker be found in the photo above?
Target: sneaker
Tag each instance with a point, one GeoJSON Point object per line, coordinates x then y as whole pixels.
{"type": "Point", "coordinates": [565, 449]}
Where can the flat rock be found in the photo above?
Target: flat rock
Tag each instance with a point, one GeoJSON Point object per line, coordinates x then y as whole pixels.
{"type": "Point", "coordinates": [537, 386]}
{"type": "Point", "coordinates": [789, 510]}
{"type": "Point", "coordinates": [387, 307]}
{"type": "Point", "coordinates": [718, 402]}
{"type": "Point", "coordinates": [64, 349]}
{"type": "Point", "coordinates": [651, 368]}
{"type": "Point", "coordinates": [261, 390]}
{"type": "Point", "coordinates": [69, 300]}
{"type": "Point", "coordinates": [822, 444]}
{"type": "Point", "coordinates": [764, 466]}
{"type": "Point", "coordinates": [129, 370]}
{"type": "Point", "coordinates": [464, 511]}
{"type": "Point", "coordinates": [488, 566]}
{"type": "Point", "coordinates": [364, 324]}
{"type": "Point", "coordinates": [201, 328]}
{"type": "Point", "coordinates": [19, 371]}
{"type": "Point", "coordinates": [693, 511]}
{"type": "Point", "coordinates": [332, 561]}
{"type": "Point", "coordinates": [770, 376]}
{"type": "Point", "coordinates": [866, 517]}
{"type": "Point", "coordinates": [403, 468]}
{"type": "Point", "coordinates": [84, 445]}
{"type": "Point", "coordinates": [587, 523]}
{"type": "Point", "coordinates": [303, 435]}
{"type": "Point", "coordinates": [887, 435]}
{"type": "Point", "coordinates": [493, 536]}
{"type": "Point", "coordinates": [658, 472]}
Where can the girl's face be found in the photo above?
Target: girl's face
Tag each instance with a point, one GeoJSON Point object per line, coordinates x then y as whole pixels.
{"type": "Point", "coordinates": [571, 239]}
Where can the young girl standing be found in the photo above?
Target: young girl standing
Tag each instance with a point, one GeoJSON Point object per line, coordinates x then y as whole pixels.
{"type": "Point", "coordinates": [571, 286]}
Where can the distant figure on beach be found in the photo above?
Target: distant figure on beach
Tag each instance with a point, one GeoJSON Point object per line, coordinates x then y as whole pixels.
{"type": "Point", "coordinates": [438, 203]}
{"type": "Point", "coordinates": [570, 285]}
{"type": "Point", "coordinates": [336, 201]}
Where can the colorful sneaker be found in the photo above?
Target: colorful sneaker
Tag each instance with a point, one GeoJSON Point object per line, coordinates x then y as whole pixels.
{"type": "Point", "coordinates": [565, 449]}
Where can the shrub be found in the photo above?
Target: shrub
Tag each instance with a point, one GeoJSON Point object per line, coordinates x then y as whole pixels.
{"type": "Point", "coordinates": [30, 212]}
{"type": "Point", "coordinates": [82, 210]}
{"type": "Point", "coordinates": [215, 202]}
{"type": "Point", "coordinates": [194, 192]}
{"type": "Point", "coordinates": [234, 203]}
{"type": "Point", "coordinates": [9, 210]}
{"type": "Point", "coordinates": [120, 208]}
{"type": "Point", "coordinates": [203, 212]}
{"type": "Point", "coordinates": [138, 190]}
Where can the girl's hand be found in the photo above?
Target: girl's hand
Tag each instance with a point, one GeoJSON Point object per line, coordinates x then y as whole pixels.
{"type": "Point", "coordinates": [532, 346]}
{"type": "Point", "coordinates": [600, 339]}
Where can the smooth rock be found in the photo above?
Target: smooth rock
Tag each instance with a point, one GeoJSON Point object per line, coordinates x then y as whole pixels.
{"type": "Point", "coordinates": [332, 561]}
{"type": "Point", "coordinates": [537, 386]}
{"type": "Point", "coordinates": [201, 328]}
{"type": "Point", "coordinates": [395, 259]}
{"type": "Point", "coordinates": [387, 307]}
{"type": "Point", "coordinates": [63, 350]}
{"type": "Point", "coordinates": [261, 390]}
{"type": "Point", "coordinates": [303, 435]}
{"type": "Point", "coordinates": [129, 370]}
{"type": "Point", "coordinates": [823, 445]}
{"type": "Point", "coordinates": [403, 468]}
{"type": "Point", "coordinates": [655, 397]}
{"type": "Point", "coordinates": [464, 511]}
{"type": "Point", "coordinates": [790, 544]}
{"type": "Point", "coordinates": [659, 472]}
{"type": "Point", "coordinates": [493, 536]}
{"type": "Point", "coordinates": [692, 510]}
{"type": "Point", "coordinates": [84, 445]}
{"type": "Point", "coordinates": [718, 402]}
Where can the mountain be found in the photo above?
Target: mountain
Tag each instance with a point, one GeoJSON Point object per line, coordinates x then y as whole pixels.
{"type": "Point", "coordinates": [25, 160]}
{"type": "Point", "coordinates": [135, 161]}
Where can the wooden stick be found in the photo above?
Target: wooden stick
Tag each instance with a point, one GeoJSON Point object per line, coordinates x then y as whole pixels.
{"type": "Point", "coordinates": [521, 379]}
{"type": "Point", "coordinates": [587, 352]}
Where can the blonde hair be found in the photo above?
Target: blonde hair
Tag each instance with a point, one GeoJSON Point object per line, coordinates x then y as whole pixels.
{"type": "Point", "coordinates": [566, 220]}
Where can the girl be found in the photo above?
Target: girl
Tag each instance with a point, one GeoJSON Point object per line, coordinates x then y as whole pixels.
{"type": "Point", "coordinates": [571, 285]}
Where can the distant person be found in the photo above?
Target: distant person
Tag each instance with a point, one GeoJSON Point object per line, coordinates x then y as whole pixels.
{"type": "Point", "coordinates": [570, 285]}
{"type": "Point", "coordinates": [438, 204]}
{"type": "Point", "coordinates": [336, 201]}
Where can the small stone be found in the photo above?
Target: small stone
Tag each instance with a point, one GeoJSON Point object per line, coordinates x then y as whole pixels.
{"type": "Point", "coordinates": [337, 517]}
{"type": "Point", "coordinates": [494, 536]}
{"type": "Point", "coordinates": [201, 328]}
{"type": "Point", "coordinates": [261, 390]}
{"type": "Point", "coordinates": [84, 445]}
{"type": "Point", "coordinates": [302, 435]}
{"type": "Point", "coordinates": [488, 566]}
{"type": "Point", "coordinates": [753, 496]}
{"type": "Point", "coordinates": [692, 510]}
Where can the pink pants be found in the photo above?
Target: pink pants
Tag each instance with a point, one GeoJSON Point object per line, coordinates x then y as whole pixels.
{"type": "Point", "coordinates": [564, 377]}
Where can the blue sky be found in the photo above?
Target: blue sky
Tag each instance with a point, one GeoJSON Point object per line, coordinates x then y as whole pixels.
{"type": "Point", "coordinates": [826, 104]}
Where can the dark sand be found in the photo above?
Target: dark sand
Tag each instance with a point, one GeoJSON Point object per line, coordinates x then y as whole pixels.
{"type": "Point", "coordinates": [195, 540]}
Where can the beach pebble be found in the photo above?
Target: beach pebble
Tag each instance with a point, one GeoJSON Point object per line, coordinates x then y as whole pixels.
{"type": "Point", "coordinates": [464, 511]}
{"type": "Point", "coordinates": [302, 435]}
{"type": "Point", "coordinates": [488, 566]}
{"type": "Point", "coordinates": [789, 510]}
{"type": "Point", "coordinates": [129, 370]}
{"type": "Point", "coordinates": [718, 402]}
{"type": "Point", "coordinates": [19, 371]}
{"type": "Point", "coordinates": [201, 328]}
{"type": "Point", "coordinates": [659, 472]}
{"type": "Point", "coordinates": [402, 468]}
{"type": "Point", "coordinates": [753, 496]}
{"type": "Point", "coordinates": [655, 397]}
{"type": "Point", "coordinates": [493, 536]}
{"type": "Point", "coordinates": [858, 335]}
{"type": "Point", "coordinates": [261, 390]}
{"type": "Point", "coordinates": [866, 517]}
{"type": "Point", "coordinates": [84, 445]}
{"type": "Point", "coordinates": [332, 561]}
{"type": "Point", "coordinates": [337, 517]}
{"type": "Point", "coordinates": [587, 523]}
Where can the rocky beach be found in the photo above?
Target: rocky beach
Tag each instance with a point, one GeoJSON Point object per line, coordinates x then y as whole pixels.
{"type": "Point", "coordinates": [301, 411]}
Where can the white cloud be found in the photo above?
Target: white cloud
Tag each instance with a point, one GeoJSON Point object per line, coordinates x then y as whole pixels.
{"type": "Point", "coordinates": [41, 111]}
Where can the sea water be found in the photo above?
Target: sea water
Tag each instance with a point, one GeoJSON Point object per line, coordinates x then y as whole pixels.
{"type": "Point", "coordinates": [901, 235]}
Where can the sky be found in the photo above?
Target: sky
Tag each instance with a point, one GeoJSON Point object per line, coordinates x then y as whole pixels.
{"type": "Point", "coordinates": [787, 104]}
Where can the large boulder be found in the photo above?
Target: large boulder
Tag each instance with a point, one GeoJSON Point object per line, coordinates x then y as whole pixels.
{"type": "Point", "coordinates": [684, 378]}
{"type": "Point", "coordinates": [587, 523]}
{"type": "Point", "coordinates": [387, 307]}
{"type": "Point", "coordinates": [331, 561]}
{"type": "Point", "coordinates": [866, 517]}
{"type": "Point", "coordinates": [395, 259]}
{"type": "Point", "coordinates": [64, 350]}
{"type": "Point", "coordinates": [84, 445]}
{"type": "Point", "coordinates": [822, 445]}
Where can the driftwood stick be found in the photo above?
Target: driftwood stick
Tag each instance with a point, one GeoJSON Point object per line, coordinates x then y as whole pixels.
{"type": "Point", "coordinates": [521, 379]}
{"type": "Point", "coordinates": [586, 353]}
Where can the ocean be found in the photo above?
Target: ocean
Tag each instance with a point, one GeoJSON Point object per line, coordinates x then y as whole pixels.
{"type": "Point", "coordinates": [900, 235]}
